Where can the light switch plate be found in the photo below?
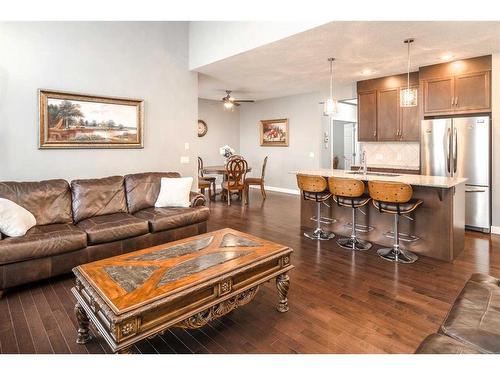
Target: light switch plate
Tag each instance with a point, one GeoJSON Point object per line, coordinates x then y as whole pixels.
{"type": "Point", "coordinates": [184, 159]}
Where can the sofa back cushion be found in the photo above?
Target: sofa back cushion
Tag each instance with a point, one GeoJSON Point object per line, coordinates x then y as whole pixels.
{"type": "Point", "coordinates": [142, 189]}
{"type": "Point", "coordinates": [95, 197]}
{"type": "Point", "coordinates": [49, 201]}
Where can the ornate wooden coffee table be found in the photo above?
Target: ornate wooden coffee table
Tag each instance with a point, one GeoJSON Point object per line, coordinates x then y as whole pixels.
{"type": "Point", "coordinates": [185, 283]}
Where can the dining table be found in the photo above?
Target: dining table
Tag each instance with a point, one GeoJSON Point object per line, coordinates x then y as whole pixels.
{"type": "Point", "coordinates": [220, 170]}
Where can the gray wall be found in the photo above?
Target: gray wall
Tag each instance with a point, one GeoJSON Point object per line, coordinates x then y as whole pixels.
{"type": "Point", "coordinates": [140, 60]}
{"type": "Point", "coordinates": [223, 129]}
{"type": "Point", "coordinates": [305, 118]}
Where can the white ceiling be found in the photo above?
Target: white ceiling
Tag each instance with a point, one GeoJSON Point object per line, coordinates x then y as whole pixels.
{"type": "Point", "coordinates": [298, 64]}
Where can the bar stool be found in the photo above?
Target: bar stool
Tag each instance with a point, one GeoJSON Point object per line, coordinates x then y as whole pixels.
{"type": "Point", "coordinates": [348, 192]}
{"type": "Point", "coordinates": [394, 198]}
{"type": "Point", "coordinates": [314, 188]}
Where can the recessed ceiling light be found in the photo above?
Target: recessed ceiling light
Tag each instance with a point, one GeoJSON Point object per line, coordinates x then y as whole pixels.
{"type": "Point", "coordinates": [366, 72]}
{"type": "Point", "coordinates": [447, 57]}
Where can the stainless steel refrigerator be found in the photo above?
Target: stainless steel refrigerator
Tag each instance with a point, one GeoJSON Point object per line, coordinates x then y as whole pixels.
{"type": "Point", "coordinates": [461, 147]}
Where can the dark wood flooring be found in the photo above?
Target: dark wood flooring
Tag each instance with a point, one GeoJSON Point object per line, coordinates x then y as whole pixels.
{"type": "Point", "coordinates": [340, 302]}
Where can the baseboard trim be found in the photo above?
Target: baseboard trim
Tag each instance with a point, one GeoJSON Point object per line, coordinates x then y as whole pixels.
{"type": "Point", "coordinates": [495, 230]}
{"type": "Point", "coordinates": [278, 189]}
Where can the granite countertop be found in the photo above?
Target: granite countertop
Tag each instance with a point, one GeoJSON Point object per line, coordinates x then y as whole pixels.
{"type": "Point", "coordinates": [385, 166]}
{"type": "Point", "coordinates": [411, 179]}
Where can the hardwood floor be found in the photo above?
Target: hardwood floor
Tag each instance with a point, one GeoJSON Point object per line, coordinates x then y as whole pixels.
{"type": "Point", "coordinates": [340, 302]}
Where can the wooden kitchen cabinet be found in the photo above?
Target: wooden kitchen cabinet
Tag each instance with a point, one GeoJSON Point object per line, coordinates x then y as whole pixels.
{"type": "Point", "coordinates": [380, 116]}
{"type": "Point", "coordinates": [367, 116]}
{"type": "Point", "coordinates": [438, 95]}
{"type": "Point", "coordinates": [472, 92]}
{"type": "Point", "coordinates": [459, 87]}
{"type": "Point", "coordinates": [410, 123]}
{"type": "Point", "coordinates": [388, 116]}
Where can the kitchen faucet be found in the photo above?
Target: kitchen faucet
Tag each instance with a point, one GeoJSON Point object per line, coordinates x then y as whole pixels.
{"type": "Point", "coordinates": [363, 163]}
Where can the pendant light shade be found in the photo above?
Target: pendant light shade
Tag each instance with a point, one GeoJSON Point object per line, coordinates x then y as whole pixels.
{"type": "Point", "coordinates": [408, 96]}
{"type": "Point", "coordinates": [330, 105]}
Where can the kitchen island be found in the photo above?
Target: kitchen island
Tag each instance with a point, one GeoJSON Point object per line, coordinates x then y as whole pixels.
{"type": "Point", "coordinates": [439, 222]}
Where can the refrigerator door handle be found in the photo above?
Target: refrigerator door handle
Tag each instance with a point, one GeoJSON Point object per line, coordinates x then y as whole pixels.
{"type": "Point", "coordinates": [455, 149]}
{"type": "Point", "coordinates": [448, 135]}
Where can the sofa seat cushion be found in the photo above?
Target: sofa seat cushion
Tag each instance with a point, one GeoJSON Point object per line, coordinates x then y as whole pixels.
{"type": "Point", "coordinates": [474, 318]}
{"type": "Point", "coordinates": [113, 227]}
{"type": "Point", "coordinates": [42, 241]}
{"type": "Point", "coordinates": [439, 344]}
{"type": "Point", "coordinates": [164, 218]}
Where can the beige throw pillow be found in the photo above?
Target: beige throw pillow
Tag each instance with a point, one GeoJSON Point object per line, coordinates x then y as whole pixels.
{"type": "Point", "coordinates": [174, 192]}
{"type": "Point", "coordinates": [15, 220]}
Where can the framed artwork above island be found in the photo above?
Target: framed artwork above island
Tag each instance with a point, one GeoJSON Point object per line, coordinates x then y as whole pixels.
{"type": "Point", "coordinates": [274, 132]}
{"type": "Point", "coordinates": [69, 120]}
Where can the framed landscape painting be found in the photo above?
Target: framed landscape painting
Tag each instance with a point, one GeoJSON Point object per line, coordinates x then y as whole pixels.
{"type": "Point", "coordinates": [274, 132]}
{"type": "Point", "coordinates": [70, 120]}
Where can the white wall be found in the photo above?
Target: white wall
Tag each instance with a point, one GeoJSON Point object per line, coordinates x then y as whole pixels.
{"type": "Point", "coordinates": [223, 129]}
{"type": "Point", "coordinates": [304, 115]}
{"type": "Point", "coordinates": [146, 60]}
{"type": "Point", "coordinates": [495, 134]}
{"type": "Point", "coordinates": [210, 41]}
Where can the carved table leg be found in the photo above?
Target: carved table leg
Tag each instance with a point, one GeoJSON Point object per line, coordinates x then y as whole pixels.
{"type": "Point", "coordinates": [83, 325]}
{"type": "Point", "coordinates": [1, 293]}
{"type": "Point", "coordinates": [283, 284]}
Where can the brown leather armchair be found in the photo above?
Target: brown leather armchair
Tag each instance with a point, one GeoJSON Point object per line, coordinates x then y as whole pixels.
{"type": "Point", "coordinates": [90, 220]}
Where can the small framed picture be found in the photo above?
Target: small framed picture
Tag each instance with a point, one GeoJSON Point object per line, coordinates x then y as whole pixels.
{"type": "Point", "coordinates": [274, 133]}
{"type": "Point", "coordinates": [69, 120]}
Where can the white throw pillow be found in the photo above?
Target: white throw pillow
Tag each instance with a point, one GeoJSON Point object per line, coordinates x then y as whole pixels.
{"type": "Point", "coordinates": [174, 192]}
{"type": "Point", "coordinates": [15, 220]}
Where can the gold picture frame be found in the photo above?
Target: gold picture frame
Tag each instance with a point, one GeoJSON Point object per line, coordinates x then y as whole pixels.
{"type": "Point", "coordinates": [274, 133]}
{"type": "Point", "coordinates": [71, 120]}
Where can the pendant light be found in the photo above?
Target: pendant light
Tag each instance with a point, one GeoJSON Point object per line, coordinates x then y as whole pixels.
{"type": "Point", "coordinates": [408, 96]}
{"type": "Point", "coordinates": [330, 104]}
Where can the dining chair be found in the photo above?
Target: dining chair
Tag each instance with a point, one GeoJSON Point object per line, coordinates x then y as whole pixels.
{"type": "Point", "coordinates": [258, 181]}
{"type": "Point", "coordinates": [202, 185]}
{"type": "Point", "coordinates": [236, 170]}
{"type": "Point", "coordinates": [210, 179]}
{"type": "Point", "coordinates": [235, 156]}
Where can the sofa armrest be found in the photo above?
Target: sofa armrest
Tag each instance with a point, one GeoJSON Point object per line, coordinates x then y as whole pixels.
{"type": "Point", "coordinates": [197, 199]}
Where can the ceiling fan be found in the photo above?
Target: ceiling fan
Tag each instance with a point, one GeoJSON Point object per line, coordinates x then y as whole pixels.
{"type": "Point", "coordinates": [230, 102]}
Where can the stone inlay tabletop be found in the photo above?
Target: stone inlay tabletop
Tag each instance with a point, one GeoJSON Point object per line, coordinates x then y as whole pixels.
{"type": "Point", "coordinates": [125, 281]}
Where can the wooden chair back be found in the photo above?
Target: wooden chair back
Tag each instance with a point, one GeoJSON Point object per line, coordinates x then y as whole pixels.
{"type": "Point", "coordinates": [311, 184]}
{"type": "Point", "coordinates": [200, 166]}
{"type": "Point", "coordinates": [390, 192]}
{"type": "Point", "coordinates": [236, 170]}
{"type": "Point", "coordinates": [235, 156]}
{"type": "Point", "coordinates": [264, 168]}
{"type": "Point", "coordinates": [346, 187]}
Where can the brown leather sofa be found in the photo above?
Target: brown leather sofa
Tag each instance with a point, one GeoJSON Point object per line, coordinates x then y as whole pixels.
{"type": "Point", "coordinates": [90, 220]}
{"type": "Point", "coordinates": [472, 325]}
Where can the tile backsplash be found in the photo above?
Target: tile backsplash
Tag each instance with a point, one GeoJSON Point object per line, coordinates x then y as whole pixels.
{"type": "Point", "coordinates": [392, 154]}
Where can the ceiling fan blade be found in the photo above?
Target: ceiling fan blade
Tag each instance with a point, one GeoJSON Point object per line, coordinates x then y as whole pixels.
{"type": "Point", "coordinates": [244, 101]}
{"type": "Point", "coordinates": [236, 104]}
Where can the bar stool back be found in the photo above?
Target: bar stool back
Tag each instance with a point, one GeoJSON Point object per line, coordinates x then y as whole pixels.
{"type": "Point", "coordinates": [349, 192]}
{"type": "Point", "coordinates": [394, 198]}
{"type": "Point", "coordinates": [315, 188]}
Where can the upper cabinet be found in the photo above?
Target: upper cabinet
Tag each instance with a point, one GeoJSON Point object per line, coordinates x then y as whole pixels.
{"type": "Point", "coordinates": [380, 116]}
{"type": "Point", "coordinates": [458, 87]}
{"type": "Point", "coordinates": [367, 115]}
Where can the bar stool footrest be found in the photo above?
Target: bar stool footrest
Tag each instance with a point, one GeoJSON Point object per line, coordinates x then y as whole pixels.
{"type": "Point", "coordinates": [360, 227]}
{"type": "Point", "coordinates": [325, 220]}
{"type": "Point", "coordinates": [405, 237]}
